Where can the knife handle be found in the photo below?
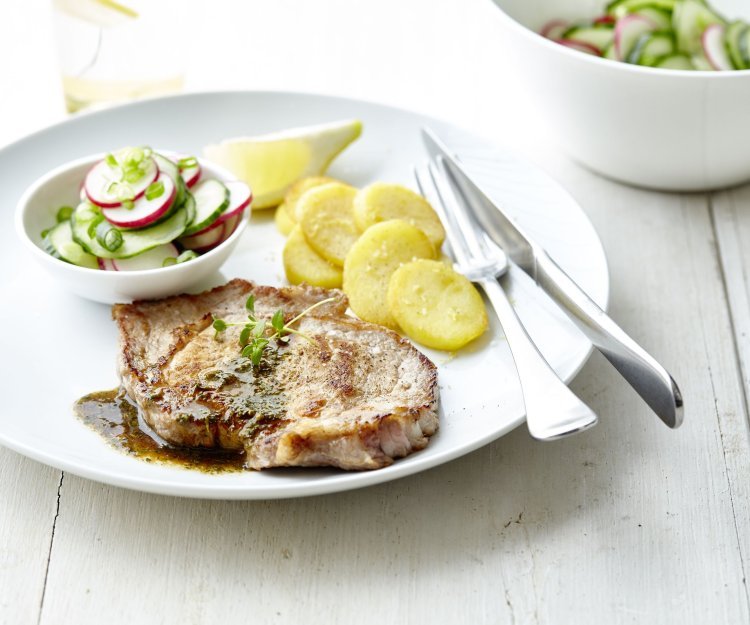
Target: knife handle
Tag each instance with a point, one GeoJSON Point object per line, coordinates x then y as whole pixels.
{"type": "Point", "coordinates": [650, 380]}
{"type": "Point", "coordinates": [552, 409]}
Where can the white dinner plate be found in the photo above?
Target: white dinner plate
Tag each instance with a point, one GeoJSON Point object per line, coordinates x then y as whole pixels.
{"type": "Point", "coordinates": [57, 347]}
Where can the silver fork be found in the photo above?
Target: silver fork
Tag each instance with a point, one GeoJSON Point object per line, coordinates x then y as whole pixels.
{"type": "Point", "coordinates": [552, 409]}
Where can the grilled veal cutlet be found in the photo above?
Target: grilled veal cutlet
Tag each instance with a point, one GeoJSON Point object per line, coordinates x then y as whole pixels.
{"type": "Point", "coordinates": [355, 396]}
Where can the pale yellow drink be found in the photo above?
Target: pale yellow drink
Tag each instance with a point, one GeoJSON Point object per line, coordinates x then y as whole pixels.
{"type": "Point", "coordinates": [112, 52]}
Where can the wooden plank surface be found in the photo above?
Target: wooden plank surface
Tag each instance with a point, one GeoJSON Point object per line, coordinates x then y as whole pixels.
{"type": "Point", "coordinates": [627, 523]}
{"type": "Point", "coordinates": [29, 496]}
{"type": "Point", "coordinates": [731, 214]}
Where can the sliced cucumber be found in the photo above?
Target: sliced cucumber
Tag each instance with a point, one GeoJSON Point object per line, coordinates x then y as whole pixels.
{"type": "Point", "coordinates": [620, 8]}
{"type": "Point", "coordinates": [651, 47]}
{"type": "Point", "coordinates": [598, 36]}
{"type": "Point", "coordinates": [60, 244]}
{"type": "Point", "coordinates": [211, 200]}
{"type": "Point", "coordinates": [169, 168]}
{"type": "Point", "coordinates": [189, 207]}
{"type": "Point", "coordinates": [151, 259]}
{"type": "Point", "coordinates": [674, 61]}
{"type": "Point", "coordinates": [701, 63]}
{"type": "Point", "coordinates": [660, 17]}
{"type": "Point", "coordinates": [689, 19]}
{"type": "Point", "coordinates": [735, 32]}
{"type": "Point", "coordinates": [628, 31]}
{"type": "Point", "coordinates": [745, 47]}
{"type": "Point", "coordinates": [609, 52]}
{"type": "Point", "coordinates": [86, 217]}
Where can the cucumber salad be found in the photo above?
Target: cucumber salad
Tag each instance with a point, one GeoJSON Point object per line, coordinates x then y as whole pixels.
{"type": "Point", "coordinates": [143, 210]}
{"type": "Point", "coordinates": [671, 34]}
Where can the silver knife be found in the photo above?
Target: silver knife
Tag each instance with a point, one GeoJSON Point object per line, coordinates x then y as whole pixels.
{"type": "Point", "coordinates": [650, 380]}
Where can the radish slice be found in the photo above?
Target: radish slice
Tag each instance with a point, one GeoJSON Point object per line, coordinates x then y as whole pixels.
{"type": "Point", "coordinates": [190, 175]}
{"type": "Point", "coordinates": [627, 31]}
{"type": "Point", "coordinates": [605, 19]}
{"type": "Point", "coordinates": [106, 264]}
{"type": "Point", "coordinates": [240, 197]}
{"type": "Point", "coordinates": [581, 46]}
{"type": "Point", "coordinates": [230, 225]}
{"type": "Point", "coordinates": [554, 29]}
{"type": "Point", "coordinates": [101, 176]}
{"type": "Point", "coordinates": [205, 240]}
{"type": "Point", "coordinates": [151, 259]}
{"type": "Point", "coordinates": [714, 48]}
{"type": "Point", "coordinates": [145, 211]}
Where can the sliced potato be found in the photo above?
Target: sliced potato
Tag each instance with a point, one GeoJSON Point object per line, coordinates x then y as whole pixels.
{"type": "Point", "coordinates": [436, 306]}
{"type": "Point", "coordinates": [283, 223]}
{"type": "Point", "coordinates": [380, 251]}
{"type": "Point", "coordinates": [298, 189]}
{"type": "Point", "coordinates": [328, 220]}
{"type": "Point", "coordinates": [303, 264]}
{"type": "Point", "coordinates": [381, 201]}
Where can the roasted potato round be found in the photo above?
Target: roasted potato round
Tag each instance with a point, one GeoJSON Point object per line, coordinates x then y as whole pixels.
{"type": "Point", "coordinates": [381, 250]}
{"type": "Point", "coordinates": [303, 264]}
{"type": "Point", "coordinates": [328, 220]}
{"type": "Point", "coordinates": [381, 201]}
{"type": "Point", "coordinates": [436, 306]}
{"type": "Point", "coordinates": [298, 189]}
{"type": "Point", "coordinates": [283, 223]}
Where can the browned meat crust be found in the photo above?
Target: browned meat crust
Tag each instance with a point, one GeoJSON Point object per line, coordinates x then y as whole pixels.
{"type": "Point", "coordinates": [356, 397]}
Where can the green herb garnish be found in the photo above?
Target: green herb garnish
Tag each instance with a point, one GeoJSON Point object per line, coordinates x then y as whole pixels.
{"type": "Point", "coordinates": [155, 190]}
{"type": "Point", "coordinates": [121, 190]}
{"type": "Point", "coordinates": [182, 258]}
{"type": "Point", "coordinates": [64, 213]}
{"type": "Point", "coordinates": [186, 256]}
{"type": "Point", "coordinates": [256, 333]}
{"type": "Point", "coordinates": [187, 162]}
{"type": "Point", "coordinates": [108, 236]}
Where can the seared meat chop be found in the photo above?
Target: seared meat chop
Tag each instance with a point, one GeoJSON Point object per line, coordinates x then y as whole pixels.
{"type": "Point", "coordinates": [356, 397]}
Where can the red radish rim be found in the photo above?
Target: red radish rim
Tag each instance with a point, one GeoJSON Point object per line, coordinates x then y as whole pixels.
{"type": "Point", "coordinates": [579, 45]}
{"type": "Point", "coordinates": [148, 219]}
{"type": "Point", "coordinates": [196, 177]}
{"type": "Point", "coordinates": [175, 158]}
{"type": "Point", "coordinates": [232, 226]}
{"type": "Point", "coordinates": [623, 23]}
{"type": "Point", "coordinates": [551, 25]}
{"type": "Point", "coordinates": [207, 248]}
{"type": "Point", "coordinates": [212, 226]}
{"type": "Point", "coordinates": [116, 204]}
{"type": "Point", "coordinates": [231, 211]}
{"type": "Point", "coordinates": [705, 44]}
{"type": "Point", "coordinates": [190, 241]}
{"type": "Point", "coordinates": [102, 262]}
{"type": "Point", "coordinates": [228, 214]}
{"type": "Point", "coordinates": [605, 19]}
{"type": "Point", "coordinates": [235, 211]}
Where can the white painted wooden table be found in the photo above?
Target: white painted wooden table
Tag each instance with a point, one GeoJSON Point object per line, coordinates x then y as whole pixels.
{"type": "Point", "coordinates": [626, 523]}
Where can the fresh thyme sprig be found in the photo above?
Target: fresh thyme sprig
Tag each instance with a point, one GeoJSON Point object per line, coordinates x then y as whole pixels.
{"type": "Point", "coordinates": [256, 333]}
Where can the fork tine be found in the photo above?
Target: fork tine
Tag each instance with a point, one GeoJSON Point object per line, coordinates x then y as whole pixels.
{"type": "Point", "coordinates": [427, 188]}
{"type": "Point", "coordinates": [470, 230]}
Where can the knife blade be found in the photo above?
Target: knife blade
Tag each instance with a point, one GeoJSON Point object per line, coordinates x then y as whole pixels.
{"type": "Point", "coordinates": [649, 378]}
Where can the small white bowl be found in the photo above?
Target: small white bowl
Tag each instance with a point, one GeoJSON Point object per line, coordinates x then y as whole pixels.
{"type": "Point", "coordinates": [36, 212]}
{"type": "Point", "coordinates": [657, 128]}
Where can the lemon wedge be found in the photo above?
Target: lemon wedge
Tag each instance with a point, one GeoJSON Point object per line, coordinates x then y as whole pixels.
{"type": "Point", "coordinates": [101, 13]}
{"type": "Point", "coordinates": [271, 163]}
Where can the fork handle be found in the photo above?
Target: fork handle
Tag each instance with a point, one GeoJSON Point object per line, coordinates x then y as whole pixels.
{"type": "Point", "coordinates": [652, 381]}
{"type": "Point", "coordinates": [552, 409]}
